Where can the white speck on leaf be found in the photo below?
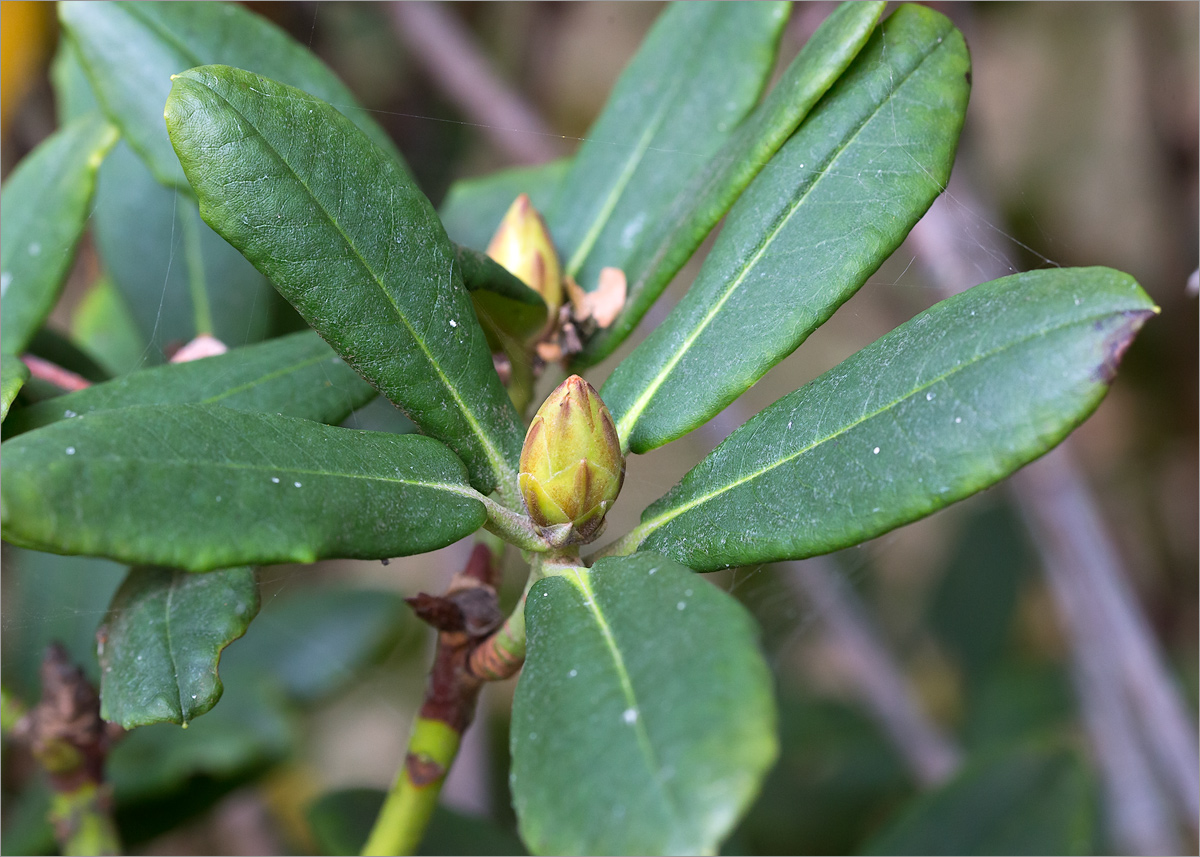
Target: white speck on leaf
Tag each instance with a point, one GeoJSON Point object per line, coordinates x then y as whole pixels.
{"type": "Point", "coordinates": [275, 479]}
{"type": "Point", "coordinates": [5, 282]}
{"type": "Point", "coordinates": [572, 673]}
{"type": "Point", "coordinates": [70, 450]}
{"type": "Point", "coordinates": [35, 249]}
{"type": "Point", "coordinates": [876, 451]}
{"type": "Point", "coordinates": [630, 716]}
{"type": "Point", "coordinates": [297, 484]}
{"type": "Point", "coordinates": [929, 397]}
{"type": "Point", "coordinates": [453, 323]}
{"type": "Point", "coordinates": [958, 419]}
{"type": "Point", "coordinates": [681, 605]}
{"type": "Point", "coordinates": [67, 414]}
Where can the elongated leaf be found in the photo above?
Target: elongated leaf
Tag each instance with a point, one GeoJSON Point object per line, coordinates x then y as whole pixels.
{"type": "Point", "coordinates": [700, 70]}
{"type": "Point", "coordinates": [104, 327]}
{"type": "Point", "coordinates": [944, 406]}
{"type": "Point", "coordinates": [473, 208]}
{"type": "Point", "coordinates": [13, 375]}
{"type": "Point", "coordinates": [352, 243]}
{"type": "Point", "coordinates": [45, 203]}
{"type": "Point", "coordinates": [130, 51]}
{"type": "Point", "coordinates": [178, 277]}
{"type": "Point", "coordinates": [830, 208]}
{"type": "Point", "coordinates": [162, 640]}
{"type": "Point", "coordinates": [501, 300]}
{"type": "Point", "coordinates": [671, 238]}
{"type": "Point", "coordinates": [200, 487]}
{"type": "Point", "coordinates": [645, 683]}
{"type": "Point", "coordinates": [1029, 800]}
{"type": "Point", "coordinates": [295, 375]}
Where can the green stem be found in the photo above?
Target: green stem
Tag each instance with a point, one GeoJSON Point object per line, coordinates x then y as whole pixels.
{"type": "Point", "coordinates": [512, 527]}
{"type": "Point", "coordinates": [625, 545]}
{"type": "Point", "coordinates": [432, 747]}
{"type": "Point", "coordinates": [197, 284]}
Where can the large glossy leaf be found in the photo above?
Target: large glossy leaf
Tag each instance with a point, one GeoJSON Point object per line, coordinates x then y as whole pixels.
{"type": "Point", "coordinates": [45, 203]}
{"type": "Point", "coordinates": [354, 245]}
{"type": "Point", "coordinates": [473, 208]}
{"type": "Point", "coordinates": [700, 70]}
{"type": "Point", "coordinates": [831, 206]}
{"type": "Point", "coordinates": [945, 405]}
{"type": "Point", "coordinates": [643, 720]}
{"type": "Point", "coordinates": [13, 375]}
{"type": "Point", "coordinates": [162, 640]}
{"type": "Point", "coordinates": [1031, 800]}
{"type": "Point", "coordinates": [130, 51]}
{"type": "Point", "coordinates": [295, 375]}
{"type": "Point", "coordinates": [669, 239]}
{"type": "Point", "coordinates": [200, 487]}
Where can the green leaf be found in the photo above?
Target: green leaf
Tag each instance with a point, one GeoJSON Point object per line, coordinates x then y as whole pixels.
{"type": "Point", "coordinates": [130, 51]}
{"type": "Point", "coordinates": [178, 277]}
{"type": "Point", "coordinates": [832, 205]}
{"type": "Point", "coordinates": [1034, 800]}
{"type": "Point", "coordinates": [944, 406]}
{"type": "Point", "coordinates": [13, 375]}
{"type": "Point", "coordinates": [73, 96]}
{"type": "Point", "coordinates": [506, 307]}
{"type": "Point", "coordinates": [700, 70]}
{"type": "Point", "coordinates": [646, 683]}
{"type": "Point", "coordinates": [200, 487]}
{"type": "Point", "coordinates": [473, 208]}
{"type": "Point", "coordinates": [104, 327]}
{"type": "Point", "coordinates": [670, 239]}
{"type": "Point", "coordinates": [162, 639]}
{"type": "Point", "coordinates": [295, 375]}
{"type": "Point", "coordinates": [314, 640]}
{"type": "Point", "coordinates": [45, 203]}
{"type": "Point", "coordinates": [377, 277]}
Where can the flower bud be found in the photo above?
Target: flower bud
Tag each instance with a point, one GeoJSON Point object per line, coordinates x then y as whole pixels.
{"type": "Point", "coordinates": [571, 464]}
{"type": "Point", "coordinates": [522, 244]}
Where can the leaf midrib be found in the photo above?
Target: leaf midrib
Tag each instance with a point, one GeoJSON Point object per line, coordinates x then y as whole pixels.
{"type": "Point", "coordinates": [649, 527]}
{"type": "Point", "coordinates": [637, 155]}
{"type": "Point", "coordinates": [497, 461]}
{"type": "Point", "coordinates": [629, 422]}
{"type": "Point", "coordinates": [577, 577]}
{"type": "Point", "coordinates": [171, 643]}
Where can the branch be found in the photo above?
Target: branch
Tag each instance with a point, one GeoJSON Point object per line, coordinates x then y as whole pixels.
{"type": "Point", "coordinates": [448, 53]}
{"type": "Point", "coordinates": [877, 679]}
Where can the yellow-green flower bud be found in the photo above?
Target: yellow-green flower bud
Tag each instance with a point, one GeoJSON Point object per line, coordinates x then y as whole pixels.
{"type": "Point", "coordinates": [522, 244]}
{"type": "Point", "coordinates": [571, 464]}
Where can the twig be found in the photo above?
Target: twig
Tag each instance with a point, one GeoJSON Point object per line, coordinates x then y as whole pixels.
{"type": "Point", "coordinates": [62, 378]}
{"type": "Point", "coordinates": [467, 613]}
{"type": "Point", "coordinates": [67, 736]}
{"type": "Point", "coordinates": [448, 53]}
{"type": "Point", "coordinates": [929, 753]}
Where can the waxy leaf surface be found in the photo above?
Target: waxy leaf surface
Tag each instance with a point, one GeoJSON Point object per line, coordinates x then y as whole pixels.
{"type": "Point", "coordinates": [947, 404]}
{"type": "Point", "coordinates": [671, 238]}
{"type": "Point", "coordinates": [645, 683]}
{"type": "Point", "coordinates": [162, 641]}
{"type": "Point", "coordinates": [45, 203]}
{"type": "Point", "coordinates": [200, 487]}
{"type": "Point", "coordinates": [700, 70]}
{"type": "Point", "coordinates": [347, 238]}
{"type": "Point", "coordinates": [295, 375]}
{"type": "Point", "coordinates": [130, 51]}
{"type": "Point", "coordinates": [823, 215]}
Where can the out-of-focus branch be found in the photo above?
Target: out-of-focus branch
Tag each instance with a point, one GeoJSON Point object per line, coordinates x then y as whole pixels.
{"type": "Point", "coordinates": [1134, 714]}
{"type": "Point", "coordinates": [449, 55]}
{"type": "Point", "coordinates": [62, 378]}
{"type": "Point", "coordinates": [929, 753]}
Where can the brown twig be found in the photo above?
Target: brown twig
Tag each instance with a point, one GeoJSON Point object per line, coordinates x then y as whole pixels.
{"type": "Point", "coordinates": [448, 53]}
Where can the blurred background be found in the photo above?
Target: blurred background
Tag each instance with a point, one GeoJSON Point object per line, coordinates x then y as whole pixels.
{"type": "Point", "coordinates": [1035, 646]}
